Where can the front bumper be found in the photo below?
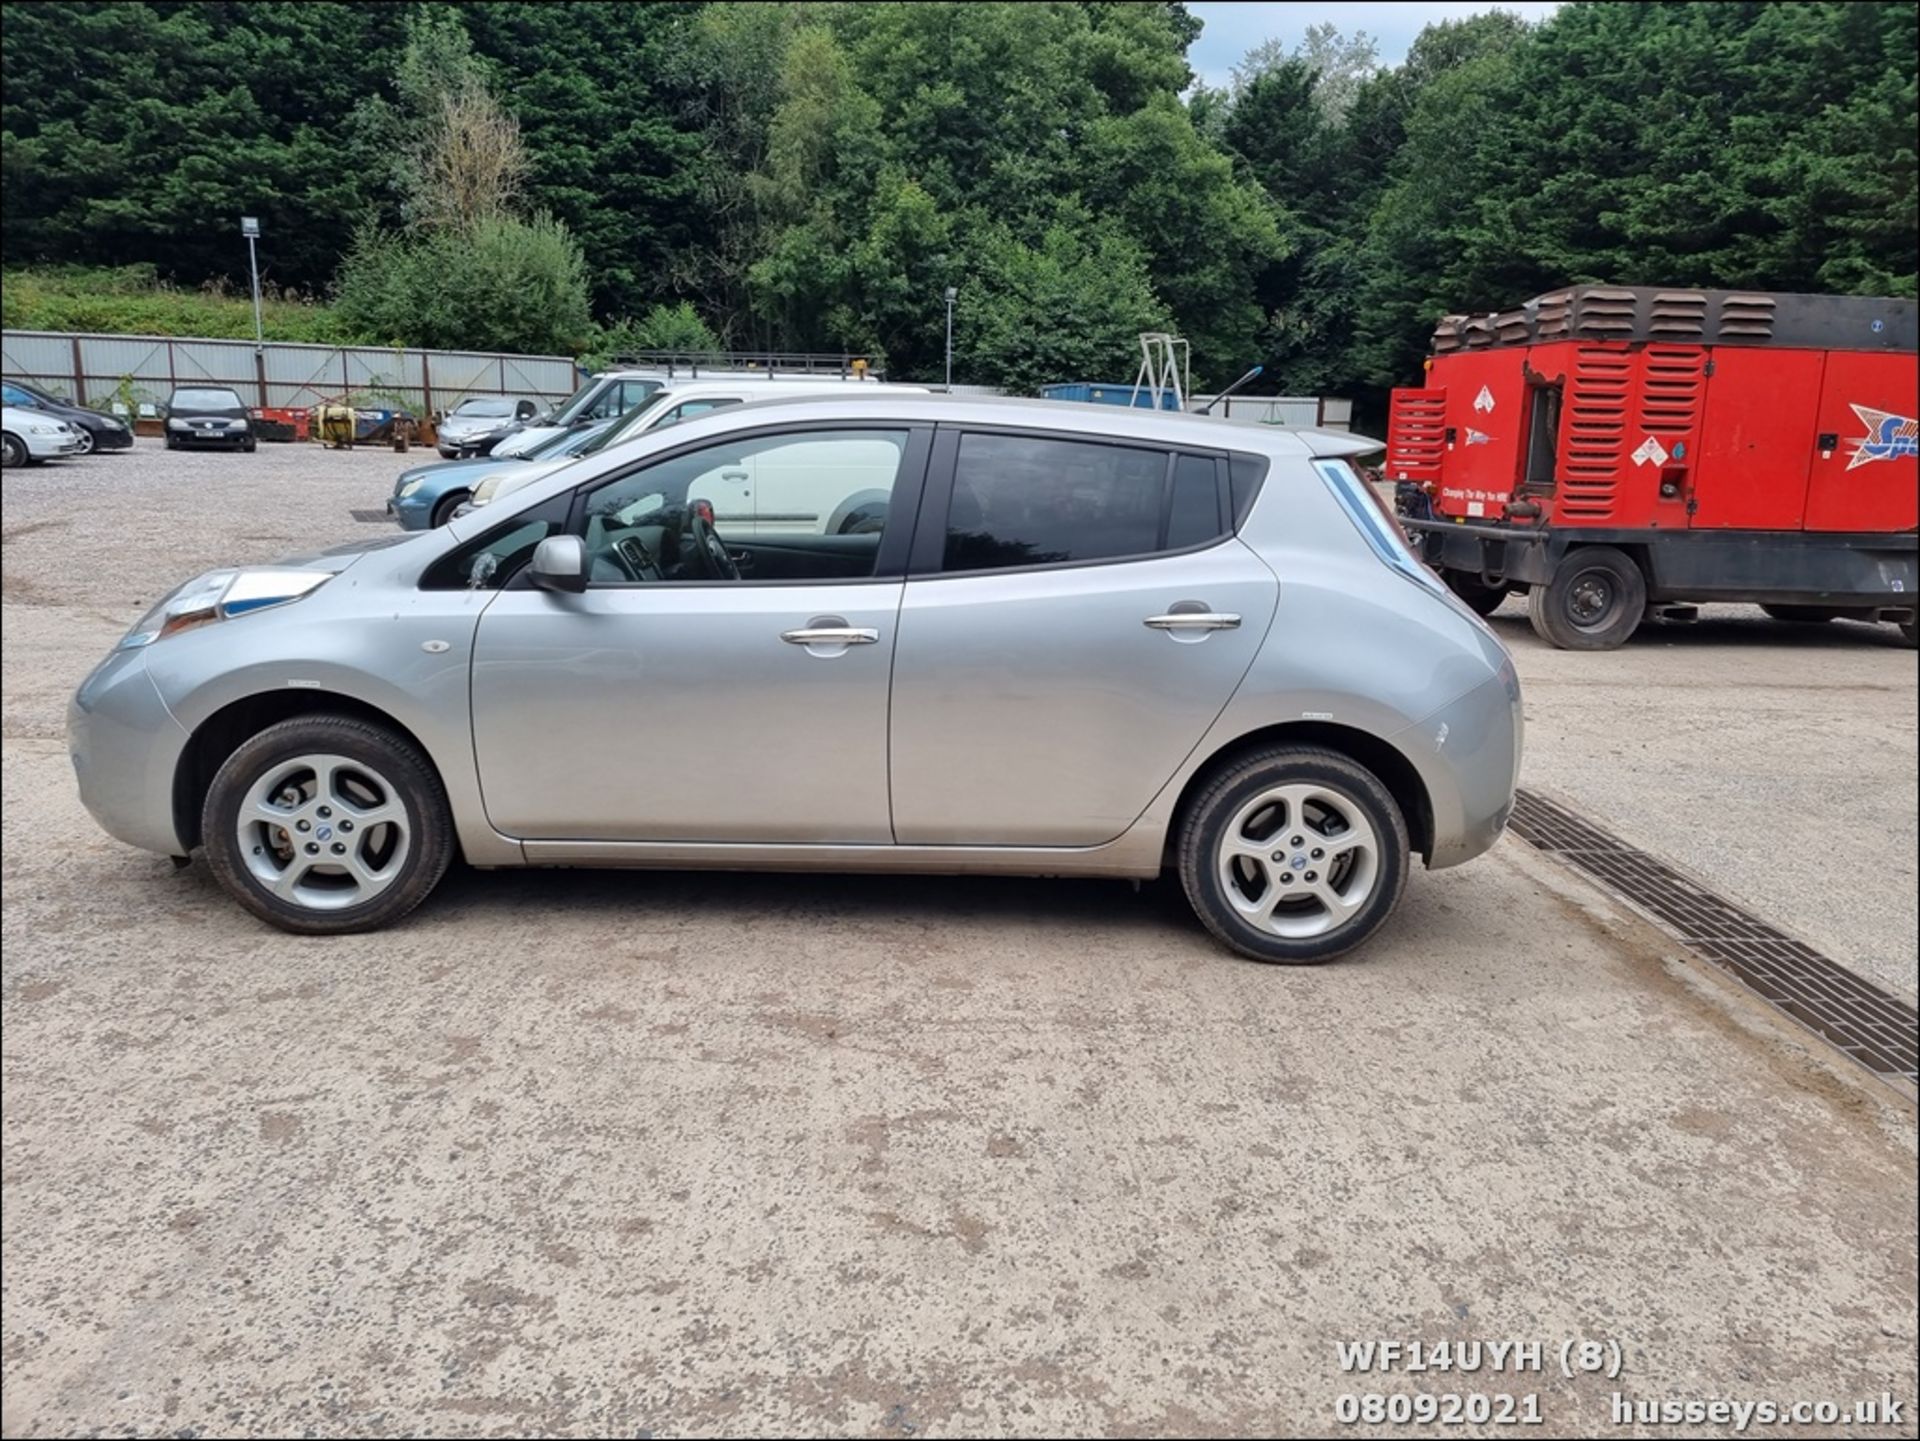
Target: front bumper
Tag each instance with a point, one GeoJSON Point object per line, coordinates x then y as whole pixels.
{"type": "Point", "coordinates": [52, 447]}
{"type": "Point", "coordinates": [126, 746]}
{"type": "Point", "coordinates": [113, 440]}
{"type": "Point", "coordinates": [1468, 755]}
{"type": "Point", "coordinates": [232, 439]}
{"type": "Point", "coordinates": [411, 512]}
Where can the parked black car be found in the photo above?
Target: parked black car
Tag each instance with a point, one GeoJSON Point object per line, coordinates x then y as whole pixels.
{"type": "Point", "coordinates": [208, 415]}
{"type": "Point", "coordinates": [97, 431]}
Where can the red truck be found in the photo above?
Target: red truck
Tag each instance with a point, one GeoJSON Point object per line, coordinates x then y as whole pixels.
{"type": "Point", "coordinates": [1618, 451]}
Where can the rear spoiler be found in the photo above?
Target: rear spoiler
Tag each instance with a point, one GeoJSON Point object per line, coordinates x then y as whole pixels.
{"type": "Point", "coordinates": [1338, 442]}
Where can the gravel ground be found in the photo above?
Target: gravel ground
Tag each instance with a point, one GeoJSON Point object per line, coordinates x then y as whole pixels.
{"type": "Point", "coordinates": [719, 1155]}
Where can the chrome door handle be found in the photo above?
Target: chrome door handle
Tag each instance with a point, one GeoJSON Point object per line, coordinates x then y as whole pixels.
{"type": "Point", "coordinates": [831, 635]}
{"type": "Point", "coordinates": [1194, 620]}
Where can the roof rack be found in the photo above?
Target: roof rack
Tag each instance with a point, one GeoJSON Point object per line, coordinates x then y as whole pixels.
{"type": "Point", "coordinates": [692, 364]}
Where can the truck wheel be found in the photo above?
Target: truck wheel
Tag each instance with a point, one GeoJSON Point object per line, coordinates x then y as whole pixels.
{"type": "Point", "coordinates": [1594, 601]}
{"type": "Point", "coordinates": [1484, 599]}
{"type": "Point", "coordinates": [1804, 614]}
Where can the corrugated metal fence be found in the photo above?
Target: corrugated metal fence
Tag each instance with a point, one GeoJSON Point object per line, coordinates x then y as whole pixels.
{"type": "Point", "coordinates": [96, 369]}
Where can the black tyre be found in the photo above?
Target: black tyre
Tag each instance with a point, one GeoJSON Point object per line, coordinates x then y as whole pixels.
{"type": "Point", "coordinates": [1255, 834]}
{"type": "Point", "coordinates": [1594, 602]}
{"type": "Point", "coordinates": [1483, 598]}
{"type": "Point", "coordinates": [443, 510]}
{"type": "Point", "coordinates": [13, 451]}
{"type": "Point", "coordinates": [1910, 631]}
{"type": "Point", "coordinates": [249, 445]}
{"type": "Point", "coordinates": [171, 444]}
{"type": "Point", "coordinates": [322, 825]}
{"type": "Point", "coordinates": [1805, 614]}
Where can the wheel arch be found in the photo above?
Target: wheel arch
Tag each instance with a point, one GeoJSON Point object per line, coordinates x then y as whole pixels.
{"type": "Point", "coordinates": [230, 727]}
{"type": "Point", "coordinates": [1381, 757]}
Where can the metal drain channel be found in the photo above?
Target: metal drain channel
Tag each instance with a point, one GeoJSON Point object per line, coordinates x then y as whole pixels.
{"type": "Point", "coordinates": [369, 516]}
{"type": "Point", "coordinates": [1875, 1028]}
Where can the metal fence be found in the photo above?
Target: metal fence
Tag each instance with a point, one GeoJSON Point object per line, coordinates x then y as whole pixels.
{"type": "Point", "coordinates": [141, 370]}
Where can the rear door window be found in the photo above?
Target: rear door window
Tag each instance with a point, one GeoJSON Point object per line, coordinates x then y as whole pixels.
{"type": "Point", "coordinates": [1023, 500]}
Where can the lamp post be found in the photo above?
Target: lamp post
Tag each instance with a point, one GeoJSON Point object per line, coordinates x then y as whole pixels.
{"type": "Point", "coordinates": [952, 295]}
{"type": "Point", "coordinates": [250, 227]}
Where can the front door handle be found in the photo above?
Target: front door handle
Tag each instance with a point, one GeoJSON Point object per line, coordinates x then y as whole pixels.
{"type": "Point", "coordinates": [831, 635]}
{"type": "Point", "coordinates": [1193, 620]}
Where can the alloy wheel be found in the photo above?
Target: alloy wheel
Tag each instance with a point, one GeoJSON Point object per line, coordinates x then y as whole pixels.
{"type": "Point", "coordinates": [1299, 860]}
{"type": "Point", "coordinates": [324, 832]}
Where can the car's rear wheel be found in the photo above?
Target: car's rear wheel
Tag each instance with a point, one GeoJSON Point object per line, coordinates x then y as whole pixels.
{"type": "Point", "coordinates": [1294, 855]}
{"type": "Point", "coordinates": [326, 824]}
{"type": "Point", "coordinates": [448, 504]}
{"type": "Point", "coordinates": [1594, 602]}
{"type": "Point", "coordinates": [13, 451]}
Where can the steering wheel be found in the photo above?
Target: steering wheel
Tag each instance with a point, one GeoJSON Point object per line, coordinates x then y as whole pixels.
{"type": "Point", "coordinates": [708, 550]}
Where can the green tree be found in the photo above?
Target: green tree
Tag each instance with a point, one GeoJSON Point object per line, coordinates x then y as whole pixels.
{"type": "Point", "coordinates": [1071, 307]}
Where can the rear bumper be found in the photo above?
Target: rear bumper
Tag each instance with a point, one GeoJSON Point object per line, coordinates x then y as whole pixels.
{"type": "Point", "coordinates": [1468, 755]}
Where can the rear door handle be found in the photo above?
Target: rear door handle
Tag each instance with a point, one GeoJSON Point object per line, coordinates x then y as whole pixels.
{"type": "Point", "coordinates": [831, 635]}
{"type": "Point", "coordinates": [1194, 620]}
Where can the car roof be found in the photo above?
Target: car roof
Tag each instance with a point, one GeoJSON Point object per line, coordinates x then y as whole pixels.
{"type": "Point", "coordinates": [1163, 427]}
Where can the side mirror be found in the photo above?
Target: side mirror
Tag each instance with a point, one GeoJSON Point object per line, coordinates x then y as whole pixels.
{"type": "Point", "coordinates": [560, 563]}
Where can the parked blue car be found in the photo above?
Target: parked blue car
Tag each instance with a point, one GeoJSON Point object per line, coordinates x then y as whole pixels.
{"type": "Point", "coordinates": [428, 495]}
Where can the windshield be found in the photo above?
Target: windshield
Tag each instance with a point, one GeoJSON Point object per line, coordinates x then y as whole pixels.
{"type": "Point", "coordinates": [206, 400]}
{"type": "Point", "coordinates": [567, 442]}
{"type": "Point", "coordinates": [485, 405]}
{"type": "Point", "coordinates": [577, 402]}
{"type": "Point", "coordinates": [629, 425]}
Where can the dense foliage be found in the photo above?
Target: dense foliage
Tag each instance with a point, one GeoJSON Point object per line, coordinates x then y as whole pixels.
{"type": "Point", "coordinates": [814, 176]}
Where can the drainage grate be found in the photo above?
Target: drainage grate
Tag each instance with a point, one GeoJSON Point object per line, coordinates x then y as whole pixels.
{"type": "Point", "coordinates": [1877, 1029]}
{"type": "Point", "coordinates": [371, 517]}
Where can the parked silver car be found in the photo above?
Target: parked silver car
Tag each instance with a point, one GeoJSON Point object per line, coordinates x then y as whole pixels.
{"type": "Point", "coordinates": [1068, 642]}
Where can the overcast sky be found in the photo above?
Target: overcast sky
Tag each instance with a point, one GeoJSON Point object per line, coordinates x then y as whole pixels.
{"type": "Point", "coordinates": [1233, 29]}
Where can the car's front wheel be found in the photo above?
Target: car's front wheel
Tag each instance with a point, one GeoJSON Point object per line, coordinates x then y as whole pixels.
{"type": "Point", "coordinates": [1294, 855]}
{"type": "Point", "coordinates": [13, 451]}
{"type": "Point", "coordinates": [444, 511]}
{"type": "Point", "coordinates": [86, 442]}
{"type": "Point", "coordinates": [326, 824]}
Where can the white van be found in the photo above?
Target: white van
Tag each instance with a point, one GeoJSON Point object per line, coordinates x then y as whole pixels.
{"type": "Point", "coordinates": [757, 494]}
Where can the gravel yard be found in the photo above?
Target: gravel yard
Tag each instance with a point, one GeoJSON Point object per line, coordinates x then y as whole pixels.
{"type": "Point", "coordinates": [644, 1153]}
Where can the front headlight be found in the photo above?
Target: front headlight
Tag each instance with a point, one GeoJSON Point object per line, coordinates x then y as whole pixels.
{"type": "Point", "coordinates": [483, 492]}
{"type": "Point", "coordinates": [42, 427]}
{"type": "Point", "coordinates": [176, 425]}
{"type": "Point", "coordinates": [221, 595]}
{"type": "Point", "coordinates": [408, 487]}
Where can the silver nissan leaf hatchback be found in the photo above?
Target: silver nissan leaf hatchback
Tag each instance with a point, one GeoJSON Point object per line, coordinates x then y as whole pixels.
{"type": "Point", "coordinates": [881, 632]}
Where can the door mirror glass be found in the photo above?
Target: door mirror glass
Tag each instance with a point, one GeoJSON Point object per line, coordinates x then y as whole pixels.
{"type": "Point", "coordinates": [560, 563]}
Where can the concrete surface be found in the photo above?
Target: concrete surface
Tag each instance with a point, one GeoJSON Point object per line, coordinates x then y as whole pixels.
{"type": "Point", "coordinates": [1776, 762]}
{"type": "Point", "coordinates": [716, 1155]}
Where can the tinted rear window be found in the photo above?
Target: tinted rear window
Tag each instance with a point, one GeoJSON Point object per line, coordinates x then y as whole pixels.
{"type": "Point", "coordinates": [1037, 500]}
